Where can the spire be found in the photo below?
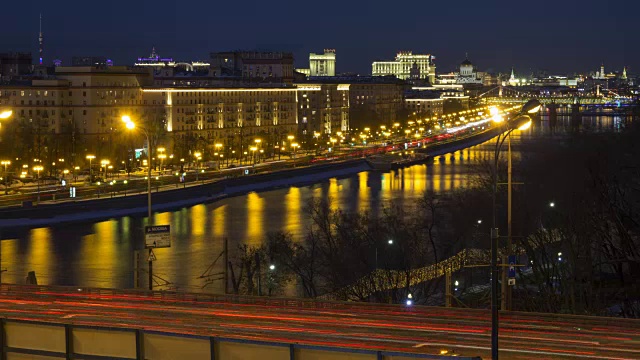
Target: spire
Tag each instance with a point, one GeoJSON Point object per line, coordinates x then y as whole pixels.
{"type": "Point", "coordinates": [41, 40]}
{"type": "Point", "coordinates": [153, 53]}
{"type": "Point", "coordinates": [624, 73]}
{"type": "Point", "coordinates": [513, 75]}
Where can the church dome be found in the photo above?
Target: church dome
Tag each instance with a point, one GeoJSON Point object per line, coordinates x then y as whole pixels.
{"type": "Point", "coordinates": [466, 62]}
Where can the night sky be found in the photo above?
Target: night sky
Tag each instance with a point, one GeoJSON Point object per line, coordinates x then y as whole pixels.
{"type": "Point", "coordinates": [558, 36]}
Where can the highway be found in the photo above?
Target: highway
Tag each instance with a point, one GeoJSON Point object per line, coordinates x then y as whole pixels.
{"type": "Point", "coordinates": [415, 329]}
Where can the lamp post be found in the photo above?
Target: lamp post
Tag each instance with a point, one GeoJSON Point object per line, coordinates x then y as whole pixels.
{"type": "Point", "coordinates": [522, 121]}
{"type": "Point", "coordinates": [290, 138]}
{"type": "Point", "coordinates": [295, 147]}
{"type": "Point", "coordinates": [198, 156]}
{"type": "Point", "coordinates": [37, 169]}
{"type": "Point", "coordinates": [218, 148]}
{"type": "Point", "coordinates": [258, 142]}
{"type": "Point", "coordinates": [5, 163]}
{"type": "Point", "coordinates": [130, 125]}
{"type": "Point", "coordinates": [253, 154]}
{"type": "Point", "coordinates": [90, 157]}
{"type": "Point", "coordinates": [104, 164]}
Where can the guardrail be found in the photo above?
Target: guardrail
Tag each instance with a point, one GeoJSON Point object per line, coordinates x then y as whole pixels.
{"type": "Point", "coordinates": [36, 339]}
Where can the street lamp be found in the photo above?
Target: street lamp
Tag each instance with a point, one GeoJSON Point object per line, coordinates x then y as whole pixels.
{"type": "Point", "coordinates": [294, 146]}
{"type": "Point", "coordinates": [253, 154]}
{"type": "Point", "coordinates": [37, 169]}
{"type": "Point", "coordinates": [198, 156]}
{"type": "Point", "coordinates": [521, 121]}
{"type": "Point", "coordinates": [90, 157]}
{"type": "Point", "coordinates": [5, 163]}
{"type": "Point", "coordinates": [130, 125]}
{"type": "Point", "coordinates": [5, 114]}
{"type": "Point", "coordinates": [104, 164]}
{"type": "Point", "coordinates": [218, 147]}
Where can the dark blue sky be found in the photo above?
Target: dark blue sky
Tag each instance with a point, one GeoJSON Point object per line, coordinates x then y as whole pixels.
{"type": "Point", "coordinates": [558, 35]}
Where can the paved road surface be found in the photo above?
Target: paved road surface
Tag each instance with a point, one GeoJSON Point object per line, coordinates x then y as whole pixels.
{"type": "Point", "coordinates": [379, 327]}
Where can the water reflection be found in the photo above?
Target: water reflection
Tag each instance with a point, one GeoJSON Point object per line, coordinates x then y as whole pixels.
{"type": "Point", "coordinates": [101, 254]}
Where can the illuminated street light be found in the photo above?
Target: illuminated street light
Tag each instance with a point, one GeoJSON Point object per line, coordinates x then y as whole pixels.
{"type": "Point", "coordinates": [130, 125]}
{"type": "Point", "coordinates": [6, 114]}
{"type": "Point", "coordinates": [37, 169]}
{"type": "Point", "coordinates": [522, 120]}
{"type": "Point", "coordinates": [90, 157]}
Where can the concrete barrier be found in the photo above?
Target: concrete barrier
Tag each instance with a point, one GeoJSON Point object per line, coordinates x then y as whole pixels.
{"type": "Point", "coordinates": [48, 341]}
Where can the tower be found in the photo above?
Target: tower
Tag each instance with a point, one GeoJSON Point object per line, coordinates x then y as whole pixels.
{"type": "Point", "coordinates": [602, 73]}
{"type": "Point", "coordinates": [40, 40]}
{"type": "Point", "coordinates": [624, 73]}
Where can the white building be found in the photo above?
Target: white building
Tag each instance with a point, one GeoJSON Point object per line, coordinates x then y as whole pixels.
{"type": "Point", "coordinates": [401, 66]}
{"type": "Point", "coordinates": [468, 74]}
{"type": "Point", "coordinates": [323, 64]}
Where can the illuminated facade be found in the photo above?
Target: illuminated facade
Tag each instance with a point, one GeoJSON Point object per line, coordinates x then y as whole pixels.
{"type": "Point", "coordinates": [323, 108]}
{"type": "Point", "coordinates": [426, 104]}
{"type": "Point", "coordinates": [468, 74]}
{"type": "Point", "coordinates": [219, 115]}
{"type": "Point", "coordinates": [156, 62]}
{"type": "Point", "coordinates": [374, 103]}
{"type": "Point", "coordinates": [323, 64]}
{"type": "Point", "coordinates": [401, 66]}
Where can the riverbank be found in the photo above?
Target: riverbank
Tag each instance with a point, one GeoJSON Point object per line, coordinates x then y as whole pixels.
{"type": "Point", "coordinates": [176, 198]}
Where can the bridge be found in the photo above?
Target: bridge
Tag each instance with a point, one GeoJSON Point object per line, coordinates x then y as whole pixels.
{"type": "Point", "coordinates": [79, 323]}
{"type": "Point", "coordinates": [511, 95]}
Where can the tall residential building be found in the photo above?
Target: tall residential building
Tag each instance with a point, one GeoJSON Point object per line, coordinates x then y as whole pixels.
{"type": "Point", "coordinates": [323, 64]}
{"type": "Point", "coordinates": [77, 111]}
{"type": "Point", "coordinates": [14, 64]}
{"type": "Point", "coordinates": [253, 66]}
{"type": "Point", "coordinates": [402, 65]}
{"type": "Point", "coordinates": [323, 108]}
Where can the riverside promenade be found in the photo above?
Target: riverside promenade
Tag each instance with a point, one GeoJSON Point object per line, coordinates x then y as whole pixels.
{"type": "Point", "coordinates": [217, 185]}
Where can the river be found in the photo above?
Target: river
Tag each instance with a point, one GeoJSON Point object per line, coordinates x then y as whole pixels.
{"type": "Point", "coordinates": [100, 254]}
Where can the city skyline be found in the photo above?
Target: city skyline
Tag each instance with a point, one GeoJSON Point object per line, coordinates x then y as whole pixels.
{"type": "Point", "coordinates": [355, 33]}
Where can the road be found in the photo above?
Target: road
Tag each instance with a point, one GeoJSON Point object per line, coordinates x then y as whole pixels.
{"type": "Point", "coordinates": [351, 325]}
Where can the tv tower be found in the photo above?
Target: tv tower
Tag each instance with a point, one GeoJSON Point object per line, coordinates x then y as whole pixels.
{"type": "Point", "coordinates": [41, 39]}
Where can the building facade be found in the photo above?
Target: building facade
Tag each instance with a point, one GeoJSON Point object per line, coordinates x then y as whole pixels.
{"type": "Point", "coordinates": [253, 66]}
{"type": "Point", "coordinates": [402, 65]}
{"type": "Point", "coordinates": [374, 103]}
{"type": "Point", "coordinates": [468, 74]}
{"type": "Point", "coordinates": [77, 112]}
{"type": "Point", "coordinates": [323, 108]}
{"type": "Point", "coordinates": [14, 64]}
{"type": "Point", "coordinates": [323, 64]}
{"type": "Point", "coordinates": [423, 104]}
{"type": "Point", "coordinates": [91, 61]}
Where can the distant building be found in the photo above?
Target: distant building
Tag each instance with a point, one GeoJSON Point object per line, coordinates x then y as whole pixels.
{"type": "Point", "coordinates": [156, 62]}
{"type": "Point", "coordinates": [453, 97]}
{"type": "Point", "coordinates": [90, 61]}
{"type": "Point", "coordinates": [468, 74]}
{"type": "Point", "coordinates": [254, 66]}
{"type": "Point", "coordinates": [402, 65]}
{"type": "Point", "coordinates": [15, 64]}
{"type": "Point", "coordinates": [323, 64]}
{"type": "Point", "coordinates": [600, 75]}
{"type": "Point", "coordinates": [323, 109]}
{"type": "Point", "coordinates": [423, 103]}
{"type": "Point", "coordinates": [556, 81]}
{"type": "Point", "coordinates": [372, 100]}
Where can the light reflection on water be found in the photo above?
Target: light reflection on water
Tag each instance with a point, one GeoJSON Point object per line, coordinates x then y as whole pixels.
{"type": "Point", "coordinates": [101, 254]}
